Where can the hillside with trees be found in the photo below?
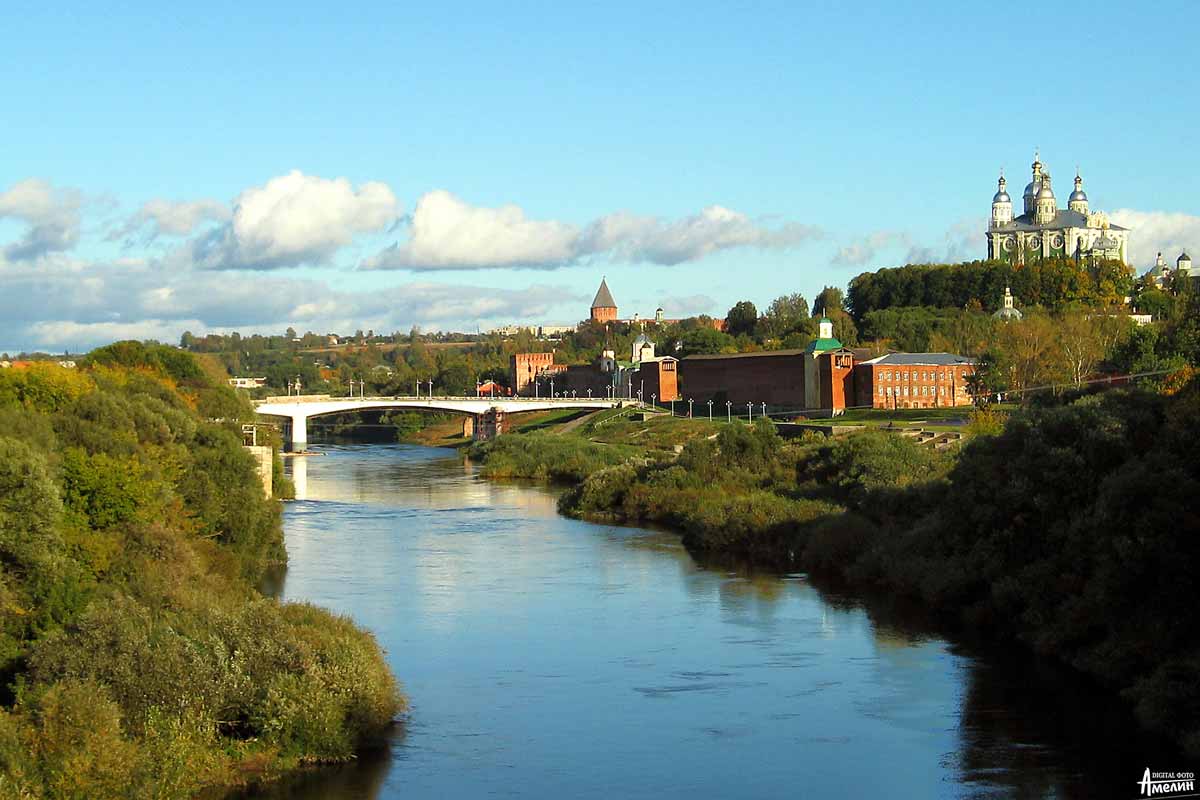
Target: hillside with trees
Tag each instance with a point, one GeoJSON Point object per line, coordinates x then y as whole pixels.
{"type": "Point", "coordinates": [136, 657]}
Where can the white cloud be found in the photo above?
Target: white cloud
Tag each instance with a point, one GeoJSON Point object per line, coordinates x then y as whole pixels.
{"type": "Point", "coordinates": [1152, 232]}
{"type": "Point", "coordinates": [160, 217]}
{"type": "Point", "coordinates": [51, 214]}
{"type": "Point", "coordinates": [630, 237]}
{"type": "Point", "coordinates": [447, 233]}
{"type": "Point", "coordinates": [65, 334]}
{"type": "Point", "coordinates": [864, 250]}
{"type": "Point", "coordinates": [294, 220]}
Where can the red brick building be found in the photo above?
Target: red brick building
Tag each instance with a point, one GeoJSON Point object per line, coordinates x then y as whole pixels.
{"type": "Point", "coordinates": [820, 382]}
{"type": "Point", "coordinates": [914, 380]}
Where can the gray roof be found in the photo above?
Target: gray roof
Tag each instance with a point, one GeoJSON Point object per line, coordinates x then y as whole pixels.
{"type": "Point", "coordinates": [1063, 218]}
{"type": "Point", "coordinates": [920, 359]}
{"type": "Point", "coordinates": [604, 298]}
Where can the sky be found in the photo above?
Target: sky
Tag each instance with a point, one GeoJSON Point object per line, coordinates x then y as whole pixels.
{"type": "Point", "coordinates": [328, 167]}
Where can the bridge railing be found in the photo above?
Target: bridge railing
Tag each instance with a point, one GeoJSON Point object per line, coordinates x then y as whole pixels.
{"type": "Point", "coordinates": [325, 398]}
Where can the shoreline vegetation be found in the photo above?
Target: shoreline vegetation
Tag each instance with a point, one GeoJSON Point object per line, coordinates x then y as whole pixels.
{"type": "Point", "coordinates": [137, 658]}
{"type": "Point", "coordinates": [1068, 527]}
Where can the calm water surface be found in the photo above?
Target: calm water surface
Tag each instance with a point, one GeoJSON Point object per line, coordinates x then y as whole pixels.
{"type": "Point", "coordinates": [547, 658]}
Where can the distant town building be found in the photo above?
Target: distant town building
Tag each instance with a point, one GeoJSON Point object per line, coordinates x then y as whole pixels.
{"type": "Point", "coordinates": [22, 364]}
{"type": "Point", "coordinates": [1160, 274]}
{"type": "Point", "coordinates": [1046, 231]}
{"type": "Point", "coordinates": [247, 383]}
{"type": "Point", "coordinates": [642, 349]}
{"type": "Point", "coordinates": [491, 389]}
{"type": "Point", "coordinates": [1008, 311]}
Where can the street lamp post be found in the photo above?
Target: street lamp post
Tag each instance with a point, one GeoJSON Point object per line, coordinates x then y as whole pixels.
{"type": "Point", "coordinates": [589, 394]}
{"type": "Point", "coordinates": [764, 410]}
{"type": "Point", "coordinates": [431, 388]}
{"type": "Point", "coordinates": [552, 388]}
{"type": "Point", "coordinates": [710, 410]}
{"type": "Point", "coordinates": [749, 412]}
{"type": "Point", "coordinates": [654, 400]}
{"type": "Point", "coordinates": [690, 401]}
{"type": "Point", "coordinates": [729, 411]}
{"type": "Point", "coordinates": [478, 389]}
{"type": "Point", "coordinates": [672, 408]}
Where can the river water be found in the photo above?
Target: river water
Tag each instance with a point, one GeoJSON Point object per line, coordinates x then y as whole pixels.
{"type": "Point", "coordinates": [550, 658]}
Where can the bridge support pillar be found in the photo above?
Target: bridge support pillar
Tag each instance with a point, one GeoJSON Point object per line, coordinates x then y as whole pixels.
{"type": "Point", "coordinates": [299, 433]}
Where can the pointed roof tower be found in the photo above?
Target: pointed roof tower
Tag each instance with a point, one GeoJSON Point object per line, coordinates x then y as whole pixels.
{"type": "Point", "coordinates": [604, 298]}
{"type": "Point", "coordinates": [604, 308]}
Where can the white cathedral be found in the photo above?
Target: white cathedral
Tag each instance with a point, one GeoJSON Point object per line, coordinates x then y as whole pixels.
{"type": "Point", "coordinates": [1044, 230]}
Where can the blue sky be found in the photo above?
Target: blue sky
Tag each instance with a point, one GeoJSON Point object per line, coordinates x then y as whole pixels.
{"type": "Point", "coordinates": [696, 154]}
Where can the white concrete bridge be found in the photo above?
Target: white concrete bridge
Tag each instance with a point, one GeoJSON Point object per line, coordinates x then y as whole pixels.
{"type": "Point", "coordinates": [300, 408]}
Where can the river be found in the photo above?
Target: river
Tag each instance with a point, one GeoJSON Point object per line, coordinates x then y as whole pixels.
{"type": "Point", "coordinates": [550, 658]}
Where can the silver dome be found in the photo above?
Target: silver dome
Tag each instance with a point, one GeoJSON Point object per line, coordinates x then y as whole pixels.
{"type": "Point", "coordinates": [1001, 197]}
{"type": "Point", "coordinates": [1031, 189]}
{"type": "Point", "coordinates": [1046, 193]}
{"type": "Point", "coordinates": [1078, 194]}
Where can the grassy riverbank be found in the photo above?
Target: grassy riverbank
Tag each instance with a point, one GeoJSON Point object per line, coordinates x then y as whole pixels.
{"type": "Point", "coordinates": [137, 660]}
{"type": "Point", "coordinates": [1072, 529]}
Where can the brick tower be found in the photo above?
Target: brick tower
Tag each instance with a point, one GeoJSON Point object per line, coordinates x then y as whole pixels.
{"type": "Point", "coordinates": [604, 308]}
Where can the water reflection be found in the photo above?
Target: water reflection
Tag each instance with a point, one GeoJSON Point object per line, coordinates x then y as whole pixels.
{"type": "Point", "coordinates": [546, 657]}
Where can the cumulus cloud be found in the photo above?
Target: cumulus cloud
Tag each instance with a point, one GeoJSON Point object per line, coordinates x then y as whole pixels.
{"type": "Point", "coordinates": [1153, 232]}
{"type": "Point", "coordinates": [160, 217]}
{"type": "Point", "coordinates": [294, 220]}
{"type": "Point", "coordinates": [447, 233]}
{"type": "Point", "coordinates": [51, 214]}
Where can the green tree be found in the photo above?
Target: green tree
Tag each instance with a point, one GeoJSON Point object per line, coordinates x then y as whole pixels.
{"type": "Point", "coordinates": [741, 319]}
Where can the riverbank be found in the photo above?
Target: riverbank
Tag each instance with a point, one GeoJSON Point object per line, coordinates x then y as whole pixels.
{"type": "Point", "coordinates": [1070, 531]}
{"type": "Point", "coordinates": [137, 658]}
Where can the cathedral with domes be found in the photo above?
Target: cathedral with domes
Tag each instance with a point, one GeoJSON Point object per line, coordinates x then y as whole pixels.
{"type": "Point", "coordinates": [1044, 230]}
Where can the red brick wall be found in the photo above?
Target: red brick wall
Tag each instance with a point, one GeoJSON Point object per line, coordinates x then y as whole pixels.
{"type": "Point", "coordinates": [604, 314]}
{"type": "Point", "coordinates": [771, 378]}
